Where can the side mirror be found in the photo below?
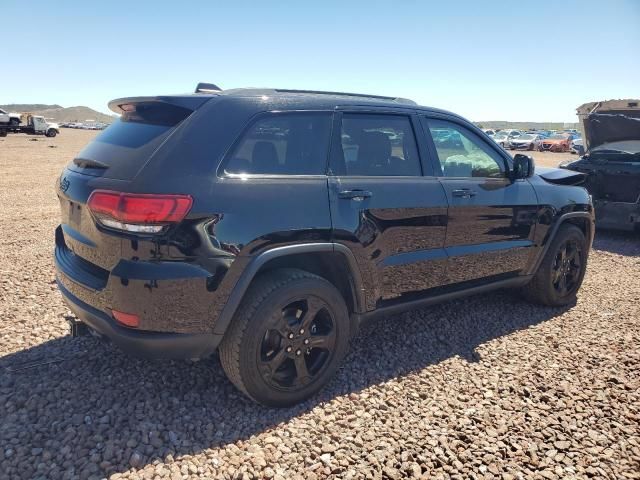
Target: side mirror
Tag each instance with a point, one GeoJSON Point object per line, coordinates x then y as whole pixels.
{"type": "Point", "coordinates": [523, 166]}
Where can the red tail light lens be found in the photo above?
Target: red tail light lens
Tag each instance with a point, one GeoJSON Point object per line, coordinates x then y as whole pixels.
{"type": "Point", "coordinates": [146, 213]}
{"type": "Point", "coordinates": [127, 319]}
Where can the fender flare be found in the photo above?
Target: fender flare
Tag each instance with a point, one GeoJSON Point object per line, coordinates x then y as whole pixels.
{"type": "Point", "coordinates": [554, 230]}
{"type": "Point", "coordinates": [251, 270]}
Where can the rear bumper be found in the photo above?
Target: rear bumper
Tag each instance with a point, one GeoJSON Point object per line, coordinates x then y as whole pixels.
{"type": "Point", "coordinates": [142, 343]}
{"type": "Point", "coordinates": [617, 215]}
{"type": "Point", "coordinates": [168, 296]}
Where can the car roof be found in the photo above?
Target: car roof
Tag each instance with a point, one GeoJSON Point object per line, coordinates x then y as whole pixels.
{"type": "Point", "coordinates": [288, 99]}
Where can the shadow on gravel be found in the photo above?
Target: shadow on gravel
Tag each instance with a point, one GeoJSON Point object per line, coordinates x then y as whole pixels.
{"type": "Point", "coordinates": [619, 242]}
{"type": "Point", "coordinates": [94, 410]}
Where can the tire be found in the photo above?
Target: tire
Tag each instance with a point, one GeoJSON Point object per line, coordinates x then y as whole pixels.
{"type": "Point", "coordinates": [547, 287]}
{"type": "Point", "coordinates": [3, 133]}
{"type": "Point", "coordinates": [271, 359]}
{"type": "Point", "coordinates": [51, 133]}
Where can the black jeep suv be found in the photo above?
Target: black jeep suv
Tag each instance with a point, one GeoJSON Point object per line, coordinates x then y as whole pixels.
{"type": "Point", "coordinates": [267, 224]}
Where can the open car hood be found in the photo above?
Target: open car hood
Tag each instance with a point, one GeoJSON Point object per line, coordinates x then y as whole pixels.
{"type": "Point", "coordinates": [560, 176]}
{"type": "Point", "coordinates": [609, 121]}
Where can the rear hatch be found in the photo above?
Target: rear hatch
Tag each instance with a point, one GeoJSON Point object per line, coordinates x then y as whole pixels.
{"type": "Point", "coordinates": [111, 162]}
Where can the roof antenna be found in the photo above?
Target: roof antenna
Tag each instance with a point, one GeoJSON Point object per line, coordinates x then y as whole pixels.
{"type": "Point", "coordinates": [207, 88]}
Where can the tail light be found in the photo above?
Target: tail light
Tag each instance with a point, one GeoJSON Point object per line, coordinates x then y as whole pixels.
{"type": "Point", "coordinates": [139, 213]}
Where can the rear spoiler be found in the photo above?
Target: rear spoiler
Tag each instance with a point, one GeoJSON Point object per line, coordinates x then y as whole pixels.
{"type": "Point", "coordinates": [190, 102]}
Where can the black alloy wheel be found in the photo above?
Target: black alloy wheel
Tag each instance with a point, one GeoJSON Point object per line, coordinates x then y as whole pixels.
{"type": "Point", "coordinates": [287, 339]}
{"type": "Point", "coordinates": [567, 267]}
{"type": "Point", "coordinates": [298, 344]}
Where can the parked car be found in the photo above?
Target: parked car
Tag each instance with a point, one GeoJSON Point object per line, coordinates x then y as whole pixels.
{"type": "Point", "coordinates": [184, 229]}
{"type": "Point", "coordinates": [558, 142]}
{"type": "Point", "coordinates": [504, 137]}
{"type": "Point", "coordinates": [577, 146]}
{"type": "Point", "coordinates": [489, 131]}
{"type": "Point", "coordinates": [9, 118]}
{"type": "Point", "coordinates": [525, 142]}
{"type": "Point", "coordinates": [611, 161]}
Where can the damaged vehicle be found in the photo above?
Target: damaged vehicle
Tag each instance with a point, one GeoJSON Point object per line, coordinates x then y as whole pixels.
{"type": "Point", "coordinates": [526, 142]}
{"type": "Point", "coordinates": [558, 142]}
{"type": "Point", "coordinates": [611, 161]}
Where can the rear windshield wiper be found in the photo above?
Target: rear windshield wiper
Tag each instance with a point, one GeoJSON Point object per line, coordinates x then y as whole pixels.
{"type": "Point", "coordinates": [87, 163]}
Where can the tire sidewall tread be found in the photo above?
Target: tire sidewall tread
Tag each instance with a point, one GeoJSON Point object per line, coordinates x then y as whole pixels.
{"type": "Point", "coordinates": [237, 349]}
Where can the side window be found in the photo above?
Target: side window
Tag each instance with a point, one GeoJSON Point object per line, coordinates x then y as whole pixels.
{"type": "Point", "coordinates": [283, 144]}
{"type": "Point", "coordinates": [377, 145]}
{"type": "Point", "coordinates": [462, 154]}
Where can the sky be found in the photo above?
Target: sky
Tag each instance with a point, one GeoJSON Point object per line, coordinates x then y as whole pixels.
{"type": "Point", "coordinates": [485, 60]}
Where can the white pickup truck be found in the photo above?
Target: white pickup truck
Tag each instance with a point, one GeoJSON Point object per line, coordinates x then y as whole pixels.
{"type": "Point", "coordinates": [7, 118]}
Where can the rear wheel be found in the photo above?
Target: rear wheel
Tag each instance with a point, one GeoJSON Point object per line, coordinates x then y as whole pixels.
{"type": "Point", "coordinates": [562, 269]}
{"type": "Point", "coordinates": [287, 339]}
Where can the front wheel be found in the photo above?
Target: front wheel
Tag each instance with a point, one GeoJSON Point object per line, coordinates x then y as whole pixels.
{"type": "Point", "coordinates": [562, 270]}
{"type": "Point", "coordinates": [287, 339]}
{"type": "Point", "coordinates": [51, 133]}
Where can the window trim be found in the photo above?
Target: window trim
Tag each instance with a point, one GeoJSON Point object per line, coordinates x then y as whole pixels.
{"type": "Point", "coordinates": [226, 157]}
{"type": "Point", "coordinates": [470, 128]}
{"type": "Point", "coordinates": [336, 138]}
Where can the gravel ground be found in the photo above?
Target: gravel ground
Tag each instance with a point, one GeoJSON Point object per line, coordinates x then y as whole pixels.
{"type": "Point", "coordinates": [487, 387]}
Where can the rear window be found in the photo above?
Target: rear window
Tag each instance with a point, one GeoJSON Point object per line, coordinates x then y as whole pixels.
{"type": "Point", "coordinates": [123, 148]}
{"type": "Point", "coordinates": [283, 144]}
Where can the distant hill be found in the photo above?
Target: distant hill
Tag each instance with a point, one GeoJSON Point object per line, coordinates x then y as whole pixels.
{"type": "Point", "coordinates": [527, 125]}
{"type": "Point", "coordinates": [59, 114]}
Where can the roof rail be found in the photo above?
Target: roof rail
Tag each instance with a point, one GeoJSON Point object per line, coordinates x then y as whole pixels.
{"type": "Point", "coordinates": [207, 88]}
{"type": "Point", "coordinates": [362, 95]}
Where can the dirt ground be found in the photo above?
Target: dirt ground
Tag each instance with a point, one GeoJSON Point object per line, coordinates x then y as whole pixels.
{"type": "Point", "coordinates": [488, 387]}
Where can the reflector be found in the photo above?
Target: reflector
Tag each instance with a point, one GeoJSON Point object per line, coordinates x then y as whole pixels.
{"type": "Point", "coordinates": [127, 319]}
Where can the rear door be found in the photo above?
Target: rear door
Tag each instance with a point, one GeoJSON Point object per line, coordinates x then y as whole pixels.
{"type": "Point", "coordinates": [491, 218]}
{"type": "Point", "coordinates": [391, 216]}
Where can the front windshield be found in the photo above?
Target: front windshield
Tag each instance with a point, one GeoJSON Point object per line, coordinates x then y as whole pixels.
{"type": "Point", "coordinates": [525, 137]}
{"type": "Point", "coordinates": [500, 135]}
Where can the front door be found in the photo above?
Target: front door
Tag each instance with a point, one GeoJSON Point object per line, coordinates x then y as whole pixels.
{"type": "Point", "coordinates": [491, 217]}
{"type": "Point", "coordinates": [382, 207]}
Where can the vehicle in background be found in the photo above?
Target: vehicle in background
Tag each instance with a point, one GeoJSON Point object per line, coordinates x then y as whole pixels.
{"type": "Point", "coordinates": [503, 137]}
{"type": "Point", "coordinates": [542, 133]}
{"type": "Point", "coordinates": [32, 125]}
{"type": "Point", "coordinates": [178, 235]}
{"type": "Point", "coordinates": [9, 118]}
{"type": "Point", "coordinates": [558, 142]}
{"type": "Point", "coordinates": [489, 131]}
{"type": "Point", "coordinates": [577, 146]}
{"type": "Point", "coordinates": [611, 133]}
{"type": "Point", "coordinates": [525, 142]}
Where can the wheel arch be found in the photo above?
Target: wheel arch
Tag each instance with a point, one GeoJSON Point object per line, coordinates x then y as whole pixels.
{"type": "Point", "coordinates": [583, 220]}
{"type": "Point", "coordinates": [332, 261]}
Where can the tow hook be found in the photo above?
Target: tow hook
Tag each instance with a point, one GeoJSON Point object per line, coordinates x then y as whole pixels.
{"type": "Point", "coordinates": [77, 328]}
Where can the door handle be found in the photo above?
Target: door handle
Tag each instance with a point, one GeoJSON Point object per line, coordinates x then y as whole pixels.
{"type": "Point", "coordinates": [357, 195]}
{"type": "Point", "coordinates": [463, 193]}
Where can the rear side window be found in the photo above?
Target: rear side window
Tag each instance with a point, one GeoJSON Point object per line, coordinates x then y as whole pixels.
{"type": "Point", "coordinates": [378, 145]}
{"type": "Point", "coordinates": [283, 144]}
